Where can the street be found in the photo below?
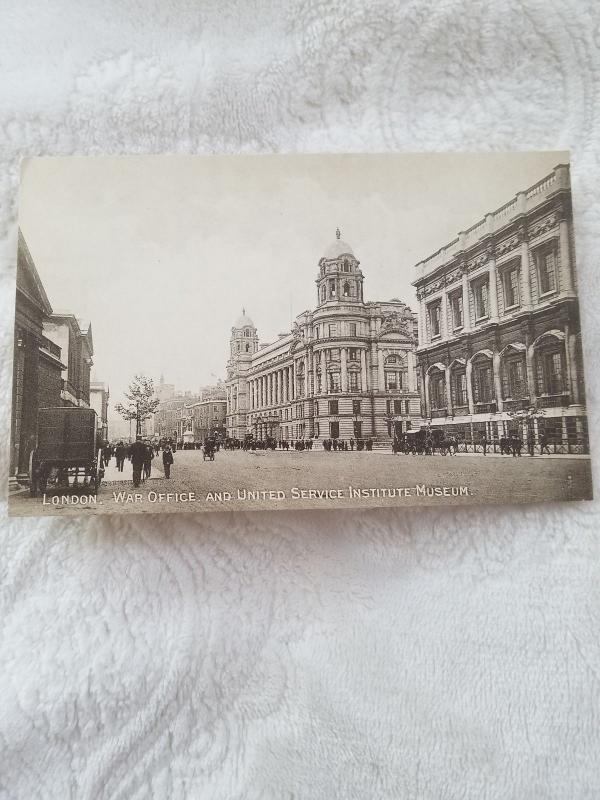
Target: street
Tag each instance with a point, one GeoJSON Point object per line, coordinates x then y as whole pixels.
{"type": "Point", "coordinates": [240, 480]}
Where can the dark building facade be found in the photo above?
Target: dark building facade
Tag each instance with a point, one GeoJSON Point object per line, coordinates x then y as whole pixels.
{"type": "Point", "coordinates": [499, 331]}
{"type": "Point", "coordinates": [37, 365]}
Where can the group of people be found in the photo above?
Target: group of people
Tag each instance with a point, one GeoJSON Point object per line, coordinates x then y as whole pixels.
{"type": "Point", "coordinates": [348, 444]}
{"type": "Point", "coordinates": [141, 454]}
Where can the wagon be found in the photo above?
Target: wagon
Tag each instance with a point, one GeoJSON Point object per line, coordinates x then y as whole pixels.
{"type": "Point", "coordinates": [67, 455]}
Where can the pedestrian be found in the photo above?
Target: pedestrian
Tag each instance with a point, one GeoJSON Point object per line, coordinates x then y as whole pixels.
{"type": "Point", "coordinates": [148, 461]}
{"type": "Point", "coordinates": [484, 443]}
{"type": "Point", "coordinates": [138, 456]}
{"type": "Point", "coordinates": [120, 456]}
{"type": "Point", "coordinates": [167, 458]}
{"type": "Point", "coordinates": [544, 443]}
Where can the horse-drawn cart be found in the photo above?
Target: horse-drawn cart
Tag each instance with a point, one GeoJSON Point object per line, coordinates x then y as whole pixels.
{"type": "Point", "coordinates": [67, 456]}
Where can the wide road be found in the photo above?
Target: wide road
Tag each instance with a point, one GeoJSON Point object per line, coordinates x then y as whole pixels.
{"type": "Point", "coordinates": [239, 480]}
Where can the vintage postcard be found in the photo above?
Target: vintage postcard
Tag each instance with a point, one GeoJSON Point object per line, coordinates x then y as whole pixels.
{"type": "Point", "coordinates": [296, 332]}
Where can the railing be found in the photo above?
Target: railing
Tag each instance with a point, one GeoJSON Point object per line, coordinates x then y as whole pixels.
{"type": "Point", "coordinates": [439, 412]}
{"type": "Point", "coordinates": [440, 257]}
{"type": "Point", "coordinates": [459, 411]}
{"type": "Point", "coordinates": [475, 232]}
{"type": "Point", "coordinates": [51, 347]}
{"type": "Point", "coordinates": [506, 211]}
{"type": "Point", "coordinates": [485, 408]}
{"type": "Point", "coordinates": [541, 186]}
{"type": "Point", "coordinates": [517, 405]}
{"type": "Point", "coordinates": [553, 401]}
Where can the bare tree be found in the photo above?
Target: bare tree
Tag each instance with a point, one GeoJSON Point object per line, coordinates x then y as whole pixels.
{"type": "Point", "coordinates": [141, 402]}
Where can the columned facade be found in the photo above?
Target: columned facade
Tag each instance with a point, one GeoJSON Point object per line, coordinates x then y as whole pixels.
{"type": "Point", "coordinates": [500, 347]}
{"type": "Point", "coordinates": [346, 370]}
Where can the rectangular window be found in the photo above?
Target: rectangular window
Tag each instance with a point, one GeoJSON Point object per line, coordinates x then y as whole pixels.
{"type": "Point", "coordinates": [316, 331]}
{"type": "Point", "coordinates": [333, 407]}
{"type": "Point", "coordinates": [353, 381]}
{"type": "Point", "coordinates": [434, 313]}
{"type": "Point", "coordinates": [480, 293]}
{"type": "Point", "coordinates": [510, 279]}
{"type": "Point", "coordinates": [353, 329]}
{"type": "Point", "coordinates": [456, 310]}
{"type": "Point", "coordinates": [547, 270]}
{"type": "Point", "coordinates": [334, 430]}
{"type": "Point", "coordinates": [332, 329]}
{"type": "Point", "coordinates": [397, 406]}
{"type": "Point", "coordinates": [357, 429]}
{"type": "Point", "coordinates": [356, 406]}
{"type": "Point", "coordinates": [515, 382]}
{"type": "Point", "coordinates": [334, 381]}
{"type": "Point", "coordinates": [353, 354]}
{"type": "Point", "coordinates": [550, 373]}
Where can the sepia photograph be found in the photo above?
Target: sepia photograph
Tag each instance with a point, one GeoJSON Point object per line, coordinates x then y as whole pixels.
{"type": "Point", "coordinates": [205, 333]}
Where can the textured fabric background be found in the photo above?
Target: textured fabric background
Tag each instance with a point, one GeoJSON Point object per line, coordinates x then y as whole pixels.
{"type": "Point", "coordinates": [439, 654]}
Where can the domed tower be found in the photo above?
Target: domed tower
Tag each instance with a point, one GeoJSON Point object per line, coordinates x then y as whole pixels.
{"type": "Point", "coordinates": [340, 278]}
{"type": "Point", "coordinates": [242, 346]}
{"type": "Point", "coordinates": [244, 338]}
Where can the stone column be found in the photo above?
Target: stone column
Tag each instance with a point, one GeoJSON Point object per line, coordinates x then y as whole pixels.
{"type": "Point", "coordinates": [427, 400]}
{"type": "Point", "coordinates": [493, 287]}
{"type": "Point", "coordinates": [293, 376]}
{"type": "Point", "coordinates": [380, 371]}
{"type": "Point", "coordinates": [469, 377]}
{"type": "Point", "coordinates": [465, 300]}
{"type": "Point", "coordinates": [421, 322]}
{"type": "Point", "coordinates": [497, 380]}
{"type": "Point", "coordinates": [529, 364]}
{"type": "Point", "coordinates": [411, 363]}
{"type": "Point", "coordinates": [572, 366]}
{"type": "Point", "coordinates": [315, 361]}
{"type": "Point", "coordinates": [449, 405]}
{"type": "Point", "coordinates": [566, 273]}
{"type": "Point", "coordinates": [306, 376]}
{"type": "Point", "coordinates": [444, 316]}
{"type": "Point", "coordinates": [364, 387]}
{"type": "Point", "coordinates": [525, 270]}
{"type": "Point", "coordinates": [324, 384]}
{"type": "Point", "coordinates": [344, 367]}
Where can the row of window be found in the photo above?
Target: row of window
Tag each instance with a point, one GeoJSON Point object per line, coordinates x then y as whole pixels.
{"type": "Point", "coordinates": [333, 329]}
{"type": "Point", "coordinates": [546, 263]}
{"type": "Point", "coordinates": [349, 289]}
{"type": "Point", "coordinates": [550, 379]}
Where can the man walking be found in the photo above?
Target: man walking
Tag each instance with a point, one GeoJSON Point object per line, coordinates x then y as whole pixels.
{"type": "Point", "coordinates": [138, 456]}
{"type": "Point", "coordinates": [167, 458]}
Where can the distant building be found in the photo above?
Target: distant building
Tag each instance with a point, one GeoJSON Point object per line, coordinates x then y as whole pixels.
{"type": "Point", "coordinates": [208, 417]}
{"type": "Point", "coordinates": [37, 364]}
{"type": "Point", "coordinates": [99, 395]}
{"type": "Point", "coordinates": [499, 329]}
{"type": "Point", "coordinates": [173, 417]}
{"type": "Point", "coordinates": [74, 337]}
{"type": "Point", "coordinates": [345, 370]}
{"type": "Point", "coordinates": [164, 391]}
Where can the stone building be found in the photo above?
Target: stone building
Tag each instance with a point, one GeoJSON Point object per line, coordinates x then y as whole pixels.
{"type": "Point", "coordinates": [499, 332]}
{"type": "Point", "coordinates": [208, 418]}
{"type": "Point", "coordinates": [346, 370]}
{"type": "Point", "coordinates": [74, 337]}
{"type": "Point", "coordinates": [99, 396]}
{"type": "Point", "coordinates": [37, 363]}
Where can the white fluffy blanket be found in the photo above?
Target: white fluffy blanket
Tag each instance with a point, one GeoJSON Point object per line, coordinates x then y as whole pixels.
{"type": "Point", "coordinates": [422, 654]}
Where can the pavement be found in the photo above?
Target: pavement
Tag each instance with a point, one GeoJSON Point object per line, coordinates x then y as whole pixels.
{"type": "Point", "coordinates": [258, 480]}
{"type": "Point", "coordinates": [112, 474]}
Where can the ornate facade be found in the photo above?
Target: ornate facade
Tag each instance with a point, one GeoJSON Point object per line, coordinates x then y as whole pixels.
{"type": "Point", "coordinates": [499, 331]}
{"type": "Point", "coordinates": [345, 370]}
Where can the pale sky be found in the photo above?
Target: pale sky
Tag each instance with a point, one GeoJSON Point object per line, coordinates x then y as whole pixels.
{"type": "Point", "coordinates": [162, 252]}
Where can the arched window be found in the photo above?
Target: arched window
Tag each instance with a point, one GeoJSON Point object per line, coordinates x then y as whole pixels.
{"type": "Point", "coordinates": [483, 379]}
{"type": "Point", "coordinates": [514, 373]}
{"type": "Point", "coordinates": [323, 292]}
{"type": "Point", "coordinates": [332, 288]}
{"type": "Point", "coordinates": [346, 289]}
{"type": "Point", "coordinates": [437, 390]}
{"type": "Point", "coordinates": [550, 366]}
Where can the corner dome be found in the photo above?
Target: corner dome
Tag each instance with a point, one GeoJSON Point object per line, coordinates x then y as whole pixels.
{"type": "Point", "coordinates": [338, 248]}
{"type": "Point", "coordinates": [243, 321]}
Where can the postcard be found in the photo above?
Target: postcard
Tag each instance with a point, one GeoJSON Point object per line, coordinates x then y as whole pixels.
{"type": "Point", "coordinates": [220, 333]}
